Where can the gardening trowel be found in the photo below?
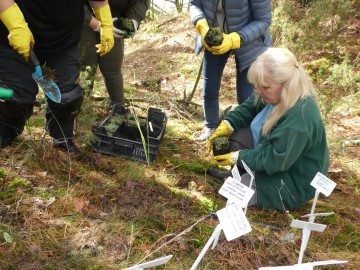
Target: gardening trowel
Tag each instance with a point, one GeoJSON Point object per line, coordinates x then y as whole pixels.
{"type": "Point", "coordinates": [45, 83]}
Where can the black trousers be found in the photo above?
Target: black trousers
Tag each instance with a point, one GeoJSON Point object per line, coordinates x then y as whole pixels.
{"type": "Point", "coordinates": [110, 64]}
{"type": "Point", "coordinates": [16, 74]}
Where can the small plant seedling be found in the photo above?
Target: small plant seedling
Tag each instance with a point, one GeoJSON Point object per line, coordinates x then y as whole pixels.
{"type": "Point", "coordinates": [125, 24]}
{"type": "Point", "coordinates": [113, 124]}
{"type": "Point", "coordinates": [221, 146]}
{"type": "Point", "coordinates": [214, 37]}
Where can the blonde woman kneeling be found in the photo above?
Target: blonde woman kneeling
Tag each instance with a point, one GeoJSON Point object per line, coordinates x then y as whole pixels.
{"type": "Point", "coordinates": [283, 130]}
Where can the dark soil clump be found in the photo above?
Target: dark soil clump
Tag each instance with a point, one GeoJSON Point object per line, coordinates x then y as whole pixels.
{"type": "Point", "coordinates": [221, 146]}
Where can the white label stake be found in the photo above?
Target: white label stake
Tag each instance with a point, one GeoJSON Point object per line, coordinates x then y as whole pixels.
{"type": "Point", "coordinates": [233, 221]}
{"type": "Point", "coordinates": [323, 184]}
{"type": "Point", "coordinates": [236, 192]}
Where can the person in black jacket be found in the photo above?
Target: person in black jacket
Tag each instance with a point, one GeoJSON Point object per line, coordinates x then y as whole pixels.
{"type": "Point", "coordinates": [111, 64]}
{"type": "Point", "coordinates": [53, 30]}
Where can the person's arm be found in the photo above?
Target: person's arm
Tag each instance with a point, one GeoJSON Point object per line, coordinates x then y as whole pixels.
{"type": "Point", "coordinates": [5, 4]}
{"type": "Point", "coordinates": [242, 115]}
{"type": "Point", "coordinates": [20, 37]}
{"type": "Point", "coordinates": [261, 20]}
{"type": "Point", "coordinates": [196, 11]}
{"type": "Point", "coordinates": [137, 10]}
{"type": "Point", "coordinates": [103, 14]}
{"type": "Point", "coordinates": [98, 4]}
{"type": "Point", "coordinates": [287, 142]}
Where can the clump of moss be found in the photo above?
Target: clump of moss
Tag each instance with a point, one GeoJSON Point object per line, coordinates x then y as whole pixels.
{"type": "Point", "coordinates": [125, 24]}
{"type": "Point", "coordinates": [221, 146]}
{"type": "Point", "coordinates": [214, 37]}
{"type": "Point", "coordinates": [113, 124]}
{"type": "Point", "coordinates": [131, 121]}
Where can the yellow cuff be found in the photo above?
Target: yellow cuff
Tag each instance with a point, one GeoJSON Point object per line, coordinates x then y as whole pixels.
{"type": "Point", "coordinates": [235, 40]}
{"type": "Point", "coordinates": [202, 25]}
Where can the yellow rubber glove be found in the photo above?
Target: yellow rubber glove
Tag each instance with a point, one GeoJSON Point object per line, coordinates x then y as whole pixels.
{"type": "Point", "coordinates": [230, 42]}
{"type": "Point", "coordinates": [103, 14]}
{"type": "Point", "coordinates": [227, 159]}
{"type": "Point", "coordinates": [224, 129]}
{"type": "Point", "coordinates": [20, 36]}
{"type": "Point", "coordinates": [202, 27]}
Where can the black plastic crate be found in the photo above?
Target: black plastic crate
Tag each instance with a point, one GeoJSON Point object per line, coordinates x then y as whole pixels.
{"type": "Point", "coordinates": [124, 138]}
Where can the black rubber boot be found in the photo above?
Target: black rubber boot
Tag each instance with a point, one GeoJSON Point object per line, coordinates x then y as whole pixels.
{"type": "Point", "coordinates": [220, 174]}
{"type": "Point", "coordinates": [5, 141]}
{"type": "Point", "coordinates": [68, 146]}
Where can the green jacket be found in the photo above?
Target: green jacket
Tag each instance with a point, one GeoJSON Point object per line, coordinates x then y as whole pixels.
{"type": "Point", "coordinates": [287, 159]}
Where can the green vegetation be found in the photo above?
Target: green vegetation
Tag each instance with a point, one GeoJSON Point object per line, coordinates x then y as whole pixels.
{"type": "Point", "coordinates": [125, 24]}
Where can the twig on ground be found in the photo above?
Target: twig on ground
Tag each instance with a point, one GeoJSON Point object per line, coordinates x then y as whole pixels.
{"type": "Point", "coordinates": [174, 238]}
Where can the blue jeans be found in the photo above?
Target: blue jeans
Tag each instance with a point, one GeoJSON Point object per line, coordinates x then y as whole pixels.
{"type": "Point", "coordinates": [213, 67]}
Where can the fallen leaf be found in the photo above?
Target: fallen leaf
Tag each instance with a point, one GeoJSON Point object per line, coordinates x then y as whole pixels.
{"type": "Point", "coordinates": [346, 190]}
{"type": "Point", "coordinates": [80, 203]}
{"type": "Point", "coordinates": [43, 174]}
{"type": "Point", "coordinates": [8, 238]}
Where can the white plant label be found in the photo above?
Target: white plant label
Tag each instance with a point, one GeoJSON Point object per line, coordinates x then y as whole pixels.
{"type": "Point", "coordinates": [323, 184]}
{"type": "Point", "coordinates": [326, 262]}
{"type": "Point", "coordinates": [233, 221]}
{"type": "Point", "coordinates": [236, 192]}
{"type": "Point", "coordinates": [295, 223]}
{"type": "Point", "coordinates": [235, 173]}
{"type": "Point", "coordinates": [292, 267]}
{"type": "Point", "coordinates": [303, 266]}
{"type": "Point", "coordinates": [151, 127]}
{"type": "Point", "coordinates": [318, 215]}
{"type": "Point", "coordinates": [156, 262]}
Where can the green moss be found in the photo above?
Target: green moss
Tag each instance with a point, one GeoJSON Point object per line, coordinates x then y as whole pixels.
{"type": "Point", "coordinates": [214, 37]}
{"type": "Point", "coordinates": [18, 182]}
{"type": "Point", "coordinates": [125, 24]}
{"type": "Point", "coordinates": [3, 173]}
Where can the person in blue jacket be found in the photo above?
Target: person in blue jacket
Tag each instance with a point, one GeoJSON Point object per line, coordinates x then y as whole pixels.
{"type": "Point", "coordinates": [245, 24]}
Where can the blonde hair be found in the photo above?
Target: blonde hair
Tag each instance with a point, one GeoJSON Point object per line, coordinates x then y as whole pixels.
{"type": "Point", "coordinates": [280, 66]}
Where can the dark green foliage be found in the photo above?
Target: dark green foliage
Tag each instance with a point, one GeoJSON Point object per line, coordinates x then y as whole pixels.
{"type": "Point", "coordinates": [214, 37]}
{"type": "Point", "coordinates": [125, 24]}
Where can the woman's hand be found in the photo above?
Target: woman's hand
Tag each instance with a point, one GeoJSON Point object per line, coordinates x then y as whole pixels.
{"type": "Point", "coordinates": [227, 159]}
{"type": "Point", "coordinates": [224, 129]}
{"type": "Point", "coordinates": [230, 42]}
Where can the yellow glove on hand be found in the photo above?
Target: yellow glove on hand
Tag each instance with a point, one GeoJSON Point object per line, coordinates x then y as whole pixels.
{"type": "Point", "coordinates": [103, 14]}
{"type": "Point", "coordinates": [20, 36]}
{"type": "Point", "coordinates": [224, 129]}
{"type": "Point", "coordinates": [227, 159]}
{"type": "Point", "coordinates": [202, 27]}
{"type": "Point", "coordinates": [230, 41]}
